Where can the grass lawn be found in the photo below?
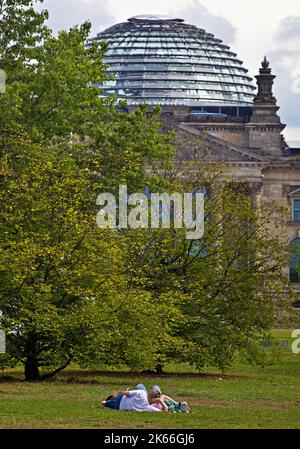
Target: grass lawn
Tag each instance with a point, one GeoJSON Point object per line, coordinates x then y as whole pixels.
{"type": "Point", "coordinates": [245, 397]}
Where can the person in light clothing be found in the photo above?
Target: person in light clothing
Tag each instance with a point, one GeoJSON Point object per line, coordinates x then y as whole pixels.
{"type": "Point", "coordinates": [142, 400]}
{"type": "Point", "coordinates": [160, 401]}
{"type": "Point", "coordinates": [136, 400]}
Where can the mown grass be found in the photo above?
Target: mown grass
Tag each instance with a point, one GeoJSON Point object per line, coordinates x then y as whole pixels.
{"type": "Point", "coordinates": [246, 397]}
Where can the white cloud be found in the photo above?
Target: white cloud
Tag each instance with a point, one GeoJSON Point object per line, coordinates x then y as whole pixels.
{"type": "Point", "coordinates": [197, 14]}
{"type": "Point", "coordinates": [253, 29]}
{"type": "Point", "coordinates": [289, 29]}
{"type": "Point", "coordinates": [63, 14]}
{"type": "Point", "coordinates": [285, 61]}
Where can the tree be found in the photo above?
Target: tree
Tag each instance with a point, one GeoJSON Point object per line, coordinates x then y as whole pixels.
{"type": "Point", "coordinates": [72, 292]}
{"type": "Point", "coordinates": [227, 286]}
{"type": "Point", "coordinates": [64, 291]}
{"type": "Point", "coordinates": [22, 28]}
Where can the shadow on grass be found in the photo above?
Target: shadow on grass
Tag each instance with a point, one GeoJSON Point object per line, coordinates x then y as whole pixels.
{"type": "Point", "coordinates": [139, 374]}
{"type": "Point", "coordinates": [10, 379]}
{"type": "Point", "coordinates": [85, 377]}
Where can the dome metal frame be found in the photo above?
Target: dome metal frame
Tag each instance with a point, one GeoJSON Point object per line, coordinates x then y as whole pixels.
{"type": "Point", "coordinates": [165, 61]}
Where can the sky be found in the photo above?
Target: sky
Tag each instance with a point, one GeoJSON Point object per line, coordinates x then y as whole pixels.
{"type": "Point", "coordinates": [252, 29]}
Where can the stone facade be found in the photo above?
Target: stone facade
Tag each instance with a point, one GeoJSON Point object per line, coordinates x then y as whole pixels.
{"type": "Point", "coordinates": [254, 149]}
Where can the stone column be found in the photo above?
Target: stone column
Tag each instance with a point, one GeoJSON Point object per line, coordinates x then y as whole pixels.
{"type": "Point", "coordinates": [265, 126]}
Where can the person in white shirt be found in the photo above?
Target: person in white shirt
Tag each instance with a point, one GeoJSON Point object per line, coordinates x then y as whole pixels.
{"type": "Point", "coordinates": [132, 400]}
{"type": "Point", "coordinates": [137, 400]}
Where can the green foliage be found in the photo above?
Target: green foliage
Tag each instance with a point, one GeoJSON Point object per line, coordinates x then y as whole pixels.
{"type": "Point", "coordinates": [72, 292]}
{"type": "Point", "coordinates": [64, 290]}
{"type": "Point", "coordinates": [226, 287]}
{"type": "Point", "coordinates": [22, 29]}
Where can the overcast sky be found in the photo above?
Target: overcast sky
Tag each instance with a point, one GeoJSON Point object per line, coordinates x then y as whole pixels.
{"type": "Point", "coordinates": [253, 29]}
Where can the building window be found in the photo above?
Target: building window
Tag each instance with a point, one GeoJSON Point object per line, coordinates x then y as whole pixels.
{"type": "Point", "coordinates": [296, 210]}
{"type": "Point", "coordinates": [294, 261]}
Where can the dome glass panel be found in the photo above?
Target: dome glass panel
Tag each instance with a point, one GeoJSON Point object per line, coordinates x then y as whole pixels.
{"type": "Point", "coordinates": [165, 61]}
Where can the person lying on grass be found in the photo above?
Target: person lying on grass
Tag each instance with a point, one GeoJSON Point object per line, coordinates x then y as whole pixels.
{"type": "Point", "coordinates": [132, 400]}
{"type": "Point", "coordinates": [158, 400]}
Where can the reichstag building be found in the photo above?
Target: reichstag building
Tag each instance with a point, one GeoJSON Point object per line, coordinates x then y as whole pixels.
{"type": "Point", "coordinates": [205, 93]}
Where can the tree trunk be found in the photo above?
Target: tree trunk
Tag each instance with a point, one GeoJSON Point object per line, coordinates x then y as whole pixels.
{"type": "Point", "coordinates": [159, 368]}
{"type": "Point", "coordinates": [31, 369]}
{"type": "Point", "coordinates": [56, 371]}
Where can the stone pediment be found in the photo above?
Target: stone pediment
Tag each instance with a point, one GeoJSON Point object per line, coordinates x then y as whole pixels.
{"type": "Point", "coordinates": [295, 192]}
{"type": "Point", "coordinates": [210, 147]}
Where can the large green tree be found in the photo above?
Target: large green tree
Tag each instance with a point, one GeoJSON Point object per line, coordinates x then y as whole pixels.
{"type": "Point", "coordinates": [65, 293]}
{"type": "Point", "coordinates": [229, 285]}
{"type": "Point", "coordinates": [64, 289]}
{"type": "Point", "coordinates": [72, 292]}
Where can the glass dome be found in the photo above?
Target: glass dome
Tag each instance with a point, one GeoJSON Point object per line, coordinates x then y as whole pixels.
{"type": "Point", "coordinates": [159, 60]}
